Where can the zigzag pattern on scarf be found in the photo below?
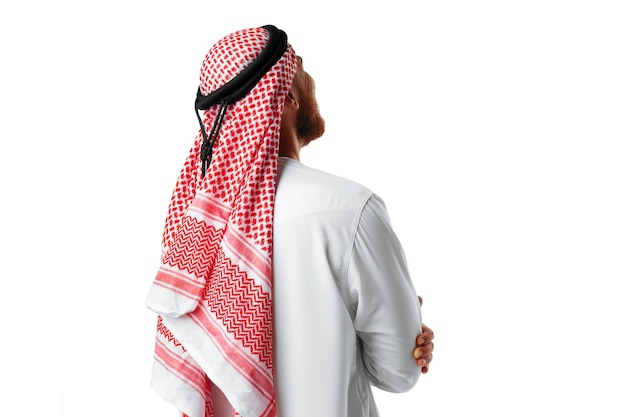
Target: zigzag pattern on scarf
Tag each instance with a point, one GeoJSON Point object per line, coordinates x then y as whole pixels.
{"type": "Point", "coordinates": [208, 412]}
{"type": "Point", "coordinates": [166, 333]}
{"type": "Point", "coordinates": [195, 246]}
{"type": "Point", "coordinates": [242, 306]}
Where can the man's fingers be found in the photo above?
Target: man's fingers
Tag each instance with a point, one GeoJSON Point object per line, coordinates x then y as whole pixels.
{"type": "Point", "coordinates": [426, 337]}
{"type": "Point", "coordinates": [425, 361]}
{"type": "Point", "coordinates": [423, 351]}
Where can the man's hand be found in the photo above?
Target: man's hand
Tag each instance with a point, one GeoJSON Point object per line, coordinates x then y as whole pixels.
{"type": "Point", "coordinates": [423, 353]}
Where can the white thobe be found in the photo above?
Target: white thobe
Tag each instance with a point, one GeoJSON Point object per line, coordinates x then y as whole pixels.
{"type": "Point", "coordinates": [346, 314]}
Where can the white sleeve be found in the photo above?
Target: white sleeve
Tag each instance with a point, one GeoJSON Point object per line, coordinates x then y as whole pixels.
{"type": "Point", "coordinates": [383, 301]}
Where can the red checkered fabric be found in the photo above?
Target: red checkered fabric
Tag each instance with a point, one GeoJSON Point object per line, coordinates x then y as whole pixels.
{"type": "Point", "coordinates": [213, 289]}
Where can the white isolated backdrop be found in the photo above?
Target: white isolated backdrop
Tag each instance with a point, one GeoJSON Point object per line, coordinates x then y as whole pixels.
{"type": "Point", "coordinates": [493, 130]}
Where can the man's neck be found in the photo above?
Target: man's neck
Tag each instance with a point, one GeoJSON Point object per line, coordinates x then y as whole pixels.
{"type": "Point", "coordinates": [289, 147]}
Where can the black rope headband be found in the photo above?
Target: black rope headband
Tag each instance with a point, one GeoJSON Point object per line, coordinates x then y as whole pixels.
{"type": "Point", "coordinates": [236, 89]}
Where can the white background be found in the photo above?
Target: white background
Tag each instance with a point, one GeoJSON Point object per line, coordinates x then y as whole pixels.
{"type": "Point", "coordinates": [494, 130]}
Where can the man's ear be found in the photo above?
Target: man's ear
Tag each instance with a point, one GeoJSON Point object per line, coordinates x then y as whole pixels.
{"type": "Point", "coordinates": [291, 100]}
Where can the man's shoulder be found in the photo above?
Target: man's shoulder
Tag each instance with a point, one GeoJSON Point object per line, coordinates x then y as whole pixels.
{"type": "Point", "coordinates": [311, 187]}
{"type": "Point", "coordinates": [307, 177]}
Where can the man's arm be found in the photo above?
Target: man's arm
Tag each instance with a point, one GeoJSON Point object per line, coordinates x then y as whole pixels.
{"type": "Point", "coordinates": [386, 308]}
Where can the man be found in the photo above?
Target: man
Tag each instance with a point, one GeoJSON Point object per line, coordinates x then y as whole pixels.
{"type": "Point", "coordinates": [282, 290]}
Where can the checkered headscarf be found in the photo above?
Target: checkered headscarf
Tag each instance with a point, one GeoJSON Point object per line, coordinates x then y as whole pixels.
{"type": "Point", "coordinates": [213, 289]}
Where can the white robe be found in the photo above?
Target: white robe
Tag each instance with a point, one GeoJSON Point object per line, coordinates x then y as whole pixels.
{"type": "Point", "coordinates": [346, 314]}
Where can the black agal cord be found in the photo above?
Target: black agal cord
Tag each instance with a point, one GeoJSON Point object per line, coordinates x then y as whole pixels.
{"type": "Point", "coordinates": [236, 89]}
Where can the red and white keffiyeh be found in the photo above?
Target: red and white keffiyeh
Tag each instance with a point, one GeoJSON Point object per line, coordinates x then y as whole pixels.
{"type": "Point", "coordinates": [213, 290]}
